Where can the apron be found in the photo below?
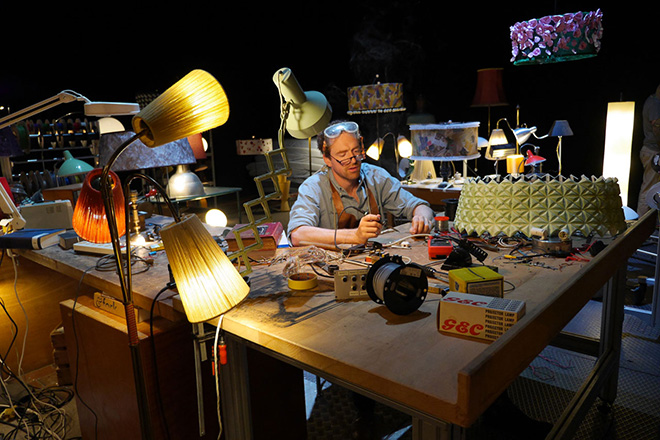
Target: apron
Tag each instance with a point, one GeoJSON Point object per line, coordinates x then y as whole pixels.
{"type": "Point", "coordinates": [346, 220]}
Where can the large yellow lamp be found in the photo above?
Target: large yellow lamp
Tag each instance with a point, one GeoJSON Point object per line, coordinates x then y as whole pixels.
{"type": "Point", "coordinates": [195, 104]}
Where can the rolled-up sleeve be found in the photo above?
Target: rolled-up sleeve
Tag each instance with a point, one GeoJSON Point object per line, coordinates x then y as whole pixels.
{"type": "Point", "coordinates": [306, 210]}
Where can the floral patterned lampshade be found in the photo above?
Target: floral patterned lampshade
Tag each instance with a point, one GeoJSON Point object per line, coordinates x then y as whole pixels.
{"type": "Point", "coordinates": [555, 38]}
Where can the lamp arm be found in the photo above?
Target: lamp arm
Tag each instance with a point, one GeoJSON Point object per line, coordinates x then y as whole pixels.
{"type": "Point", "coordinates": [172, 208]}
{"type": "Point", "coordinates": [16, 220]}
{"type": "Point", "coordinates": [127, 294]}
{"type": "Point", "coordinates": [396, 151]}
{"type": "Point", "coordinates": [61, 98]}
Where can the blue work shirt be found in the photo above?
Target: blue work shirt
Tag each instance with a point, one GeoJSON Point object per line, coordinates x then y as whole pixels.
{"type": "Point", "coordinates": [314, 206]}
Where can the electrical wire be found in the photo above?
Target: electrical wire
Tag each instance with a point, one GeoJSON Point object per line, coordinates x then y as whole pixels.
{"type": "Point", "coordinates": [27, 321]}
{"type": "Point", "coordinates": [218, 329]}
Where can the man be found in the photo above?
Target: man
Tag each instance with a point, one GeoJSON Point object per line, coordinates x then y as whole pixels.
{"type": "Point", "coordinates": [345, 202]}
{"type": "Point", "coordinates": [650, 147]}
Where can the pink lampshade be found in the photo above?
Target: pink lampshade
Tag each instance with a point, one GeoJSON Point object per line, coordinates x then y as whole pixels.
{"type": "Point", "coordinates": [89, 217]}
{"type": "Point", "coordinates": [197, 144]}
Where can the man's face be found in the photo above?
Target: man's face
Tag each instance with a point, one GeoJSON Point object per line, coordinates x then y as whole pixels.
{"type": "Point", "coordinates": [343, 160]}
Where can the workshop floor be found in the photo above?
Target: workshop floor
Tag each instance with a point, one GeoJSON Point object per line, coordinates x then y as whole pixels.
{"type": "Point", "coordinates": [542, 391]}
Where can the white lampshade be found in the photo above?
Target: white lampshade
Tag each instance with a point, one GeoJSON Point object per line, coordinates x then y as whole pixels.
{"type": "Point", "coordinates": [618, 144]}
{"type": "Point", "coordinates": [310, 111]}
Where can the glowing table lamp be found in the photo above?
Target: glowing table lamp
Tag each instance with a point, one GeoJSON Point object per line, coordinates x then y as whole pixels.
{"type": "Point", "coordinates": [618, 144]}
{"type": "Point", "coordinates": [194, 104]}
{"type": "Point", "coordinates": [404, 147]}
{"type": "Point", "coordinates": [375, 149]}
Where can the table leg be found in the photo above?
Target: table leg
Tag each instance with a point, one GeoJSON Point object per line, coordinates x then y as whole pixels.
{"type": "Point", "coordinates": [423, 430]}
{"type": "Point", "coordinates": [603, 380]}
{"type": "Point", "coordinates": [235, 395]}
{"type": "Point", "coordinates": [611, 329]}
{"type": "Point", "coordinates": [238, 207]}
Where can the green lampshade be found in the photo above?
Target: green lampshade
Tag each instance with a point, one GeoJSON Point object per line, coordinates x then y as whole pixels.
{"type": "Point", "coordinates": [73, 166]}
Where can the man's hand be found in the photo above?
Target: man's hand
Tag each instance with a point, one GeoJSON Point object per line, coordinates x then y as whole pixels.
{"type": "Point", "coordinates": [420, 225]}
{"type": "Point", "coordinates": [422, 221]}
{"type": "Point", "coordinates": [369, 227]}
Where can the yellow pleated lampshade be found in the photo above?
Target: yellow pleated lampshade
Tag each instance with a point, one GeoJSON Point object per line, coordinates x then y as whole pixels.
{"type": "Point", "coordinates": [206, 280]}
{"type": "Point", "coordinates": [89, 218]}
{"type": "Point", "coordinates": [194, 104]}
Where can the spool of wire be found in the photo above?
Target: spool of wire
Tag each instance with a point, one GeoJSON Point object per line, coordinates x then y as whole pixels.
{"type": "Point", "coordinates": [401, 287]}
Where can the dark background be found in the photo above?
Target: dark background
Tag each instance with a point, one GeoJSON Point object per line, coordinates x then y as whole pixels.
{"type": "Point", "coordinates": [111, 52]}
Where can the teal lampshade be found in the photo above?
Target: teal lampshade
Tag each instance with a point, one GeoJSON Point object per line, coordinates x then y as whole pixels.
{"type": "Point", "coordinates": [73, 166]}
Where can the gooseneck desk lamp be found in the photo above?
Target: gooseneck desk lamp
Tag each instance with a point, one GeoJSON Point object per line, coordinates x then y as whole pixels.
{"type": "Point", "coordinates": [207, 282]}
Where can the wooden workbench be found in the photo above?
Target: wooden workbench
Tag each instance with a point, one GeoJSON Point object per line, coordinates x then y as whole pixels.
{"type": "Point", "coordinates": [442, 381]}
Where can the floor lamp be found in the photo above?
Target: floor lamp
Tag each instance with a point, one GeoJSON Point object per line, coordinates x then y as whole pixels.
{"type": "Point", "coordinates": [194, 104]}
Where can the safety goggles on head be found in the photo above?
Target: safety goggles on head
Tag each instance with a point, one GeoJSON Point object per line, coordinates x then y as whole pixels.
{"type": "Point", "coordinates": [333, 131]}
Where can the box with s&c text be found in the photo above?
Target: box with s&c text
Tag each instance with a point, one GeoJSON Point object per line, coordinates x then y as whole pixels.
{"type": "Point", "coordinates": [478, 316]}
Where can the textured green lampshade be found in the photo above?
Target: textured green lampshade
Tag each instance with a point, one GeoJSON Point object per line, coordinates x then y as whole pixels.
{"type": "Point", "coordinates": [72, 166]}
{"type": "Point", "coordinates": [587, 205]}
{"type": "Point", "coordinates": [194, 104]}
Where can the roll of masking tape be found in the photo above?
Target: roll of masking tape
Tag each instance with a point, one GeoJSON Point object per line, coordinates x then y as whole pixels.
{"type": "Point", "coordinates": [303, 281]}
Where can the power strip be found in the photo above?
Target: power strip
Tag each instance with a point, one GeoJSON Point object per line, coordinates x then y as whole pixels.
{"type": "Point", "coordinates": [351, 283]}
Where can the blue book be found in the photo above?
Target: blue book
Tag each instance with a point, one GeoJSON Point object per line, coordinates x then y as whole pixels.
{"type": "Point", "coordinates": [30, 238]}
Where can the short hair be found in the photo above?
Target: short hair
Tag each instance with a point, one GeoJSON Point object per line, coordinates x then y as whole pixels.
{"type": "Point", "coordinates": [321, 143]}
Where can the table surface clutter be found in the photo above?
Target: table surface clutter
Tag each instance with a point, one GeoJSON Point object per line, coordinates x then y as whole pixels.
{"type": "Point", "coordinates": [401, 359]}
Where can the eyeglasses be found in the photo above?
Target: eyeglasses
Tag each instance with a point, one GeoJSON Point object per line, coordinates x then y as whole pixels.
{"type": "Point", "coordinates": [358, 155]}
{"type": "Point", "coordinates": [335, 130]}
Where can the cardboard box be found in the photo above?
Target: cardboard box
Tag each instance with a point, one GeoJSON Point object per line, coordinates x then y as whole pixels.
{"type": "Point", "coordinates": [479, 280]}
{"type": "Point", "coordinates": [477, 316]}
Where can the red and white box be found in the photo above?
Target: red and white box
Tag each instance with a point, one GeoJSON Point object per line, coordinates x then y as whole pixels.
{"type": "Point", "coordinates": [478, 316]}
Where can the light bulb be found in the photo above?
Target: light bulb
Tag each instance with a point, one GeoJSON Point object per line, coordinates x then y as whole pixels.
{"type": "Point", "coordinates": [215, 217]}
